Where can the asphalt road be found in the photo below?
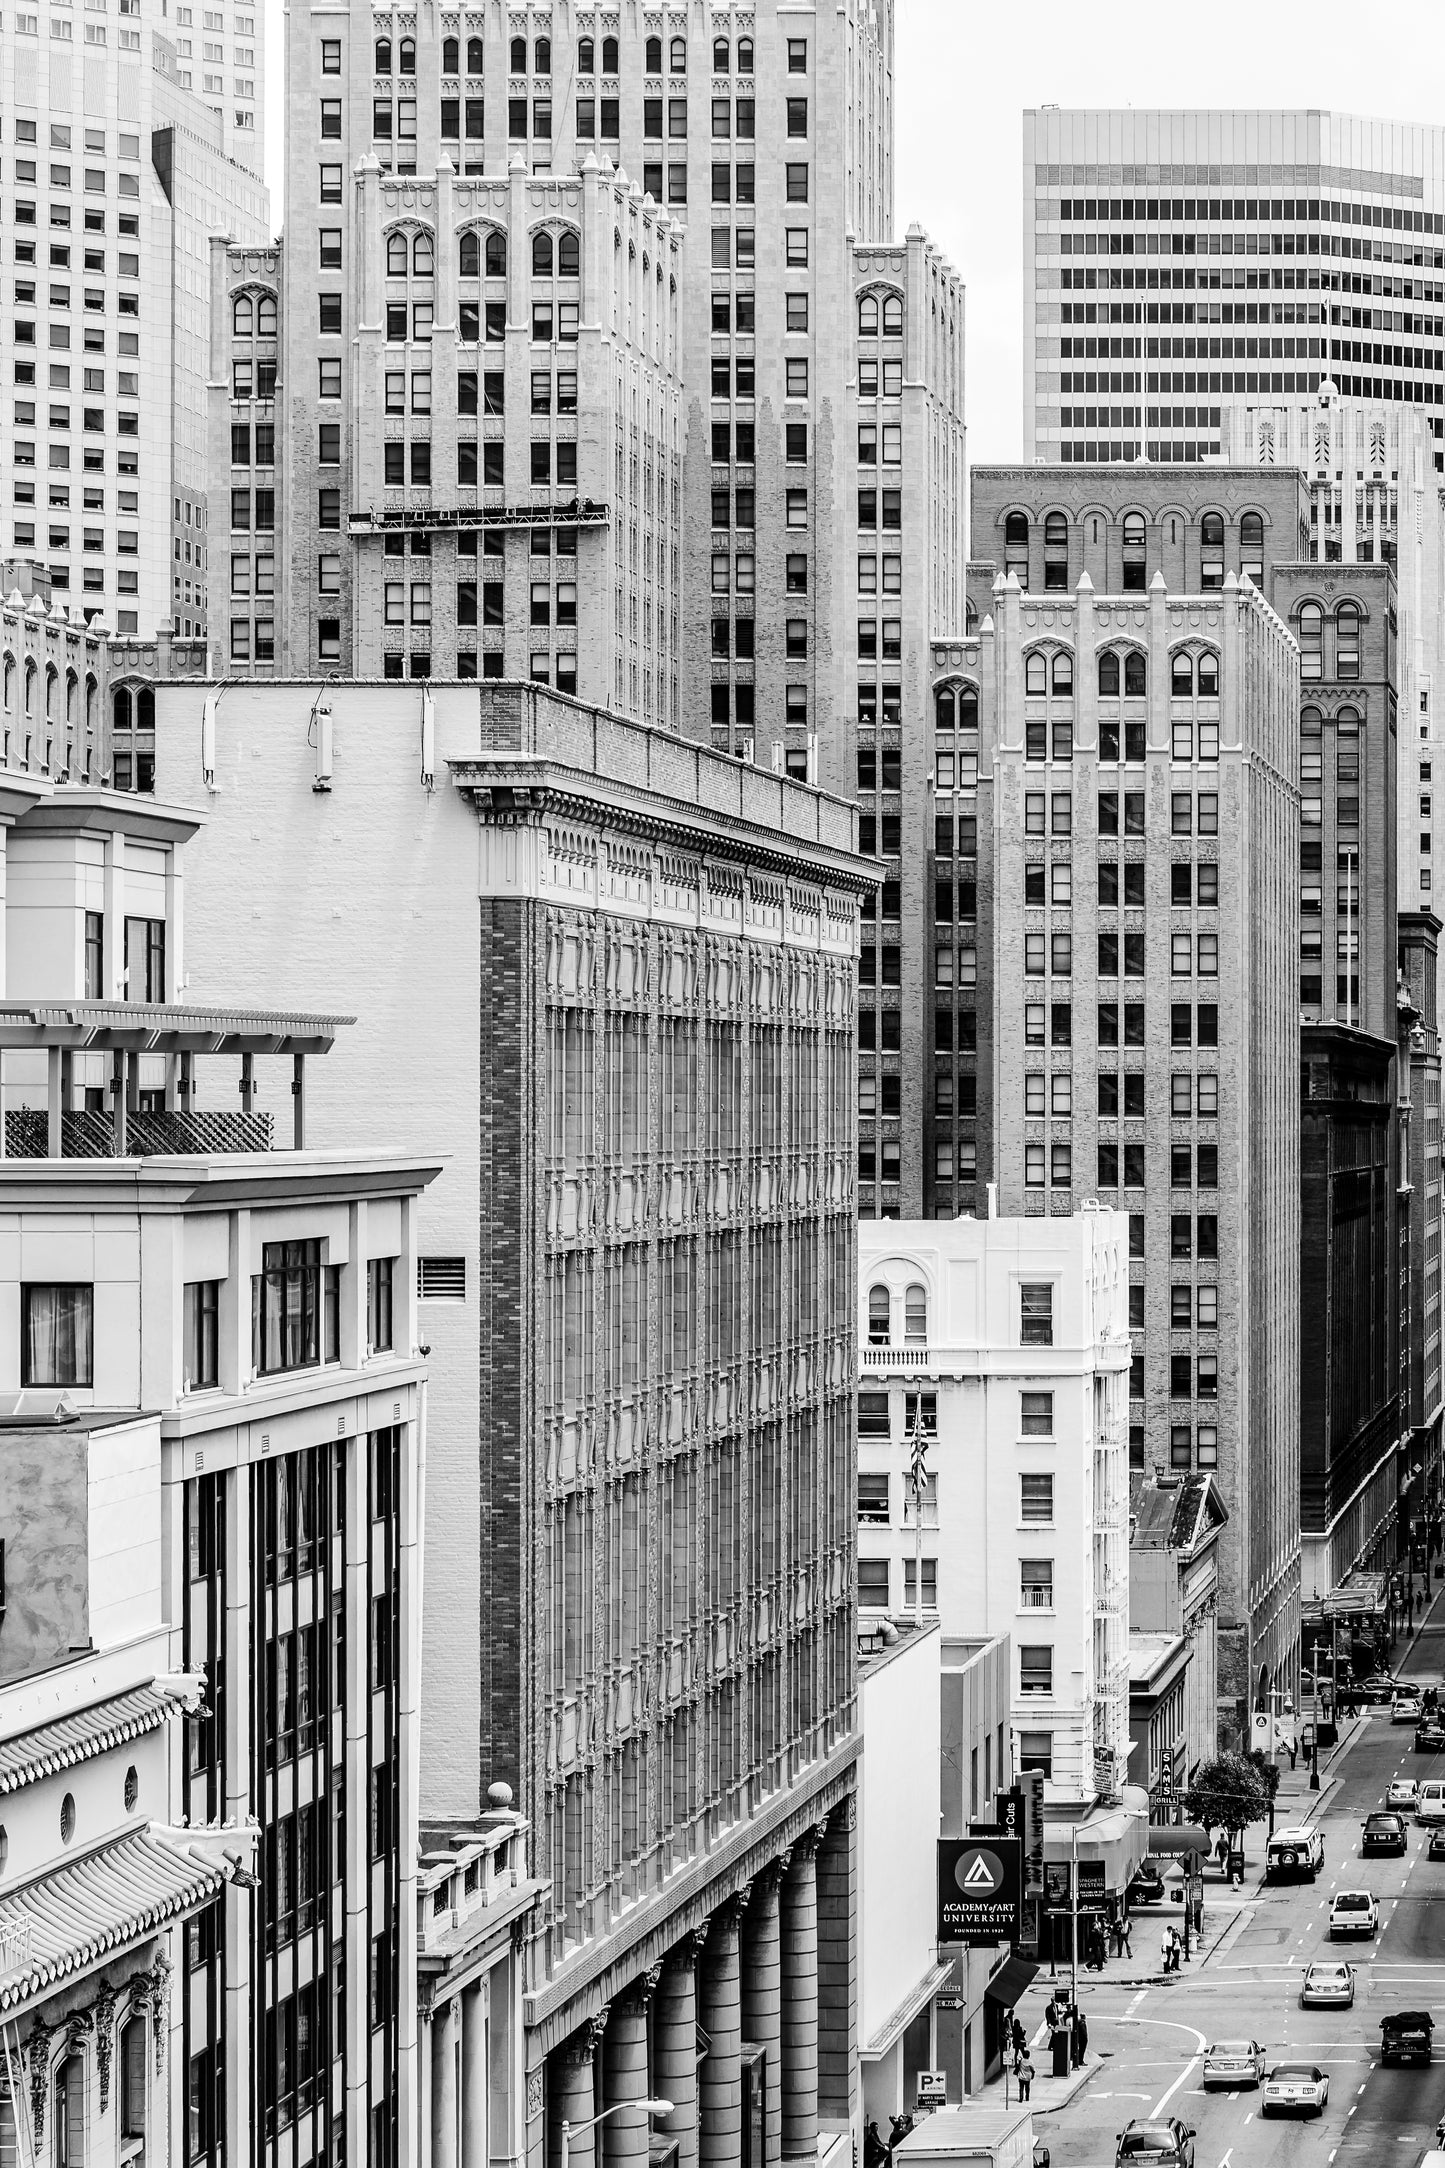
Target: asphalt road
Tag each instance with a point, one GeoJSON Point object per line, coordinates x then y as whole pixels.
{"type": "Point", "coordinates": [1153, 2039]}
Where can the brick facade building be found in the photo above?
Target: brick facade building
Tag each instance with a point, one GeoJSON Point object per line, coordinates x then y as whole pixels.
{"type": "Point", "coordinates": [614, 974]}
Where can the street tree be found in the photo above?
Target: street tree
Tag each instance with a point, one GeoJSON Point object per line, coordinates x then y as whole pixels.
{"type": "Point", "coordinates": [1229, 1793]}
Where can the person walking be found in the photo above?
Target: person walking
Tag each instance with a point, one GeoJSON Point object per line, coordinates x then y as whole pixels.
{"type": "Point", "coordinates": [1081, 2039]}
{"type": "Point", "coordinates": [1017, 2035]}
{"type": "Point", "coordinates": [1025, 2075]}
{"type": "Point", "coordinates": [1126, 1932]}
{"type": "Point", "coordinates": [1221, 1851]}
{"type": "Point", "coordinates": [875, 2152]}
{"type": "Point", "coordinates": [1166, 1949]}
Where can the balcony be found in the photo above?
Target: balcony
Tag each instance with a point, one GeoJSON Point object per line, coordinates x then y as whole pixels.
{"type": "Point", "coordinates": [89, 1133]}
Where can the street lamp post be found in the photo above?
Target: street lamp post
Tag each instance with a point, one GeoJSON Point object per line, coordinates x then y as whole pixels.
{"type": "Point", "coordinates": [645, 2107]}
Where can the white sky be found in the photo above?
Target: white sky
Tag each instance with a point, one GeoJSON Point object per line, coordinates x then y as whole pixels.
{"type": "Point", "coordinates": [967, 68]}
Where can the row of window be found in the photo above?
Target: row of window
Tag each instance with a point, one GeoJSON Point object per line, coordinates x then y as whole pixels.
{"type": "Point", "coordinates": [1188, 1025]}
{"type": "Point", "coordinates": [1190, 674]}
{"type": "Point", "coordinates": [1188, 1094]}
{"type": "Point", "coordinates": [1058, 526]}
{"type": "Point", "coordinates": [1189, 813]}
{"type": "Point", "coordinates": [403, 54]}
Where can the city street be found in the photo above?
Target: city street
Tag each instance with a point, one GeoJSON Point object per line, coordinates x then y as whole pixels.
{"type": "Point", "coordinates": [1151, 2039]}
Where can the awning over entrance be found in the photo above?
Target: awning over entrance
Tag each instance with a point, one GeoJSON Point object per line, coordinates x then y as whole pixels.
{"type": "Point", "coordinates": [1174, 1840]}
{"type": "Point", "coordinates": [1009, 1982]}
{"type": "Point", "coordinates": [1359, 1595]}
{"type": "Point", "coordinates": [1113, 1833]}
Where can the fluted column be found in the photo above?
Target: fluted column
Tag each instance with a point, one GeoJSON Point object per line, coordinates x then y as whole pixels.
{"type": "Point", "coordinates": [762, 1996]}
{"type": "Point", "coordinates": [675, 2047]}
{"type": "Point", "coordinates": [624, 2075]}
{"type": "Point", "coordinates": [720, 2121]}
{"type": "Point", "coordinates": [444, 2035]}
{"type": "Point", "coordinates": [475, 2078]}
{"type": "Point", "coordinates": [800, 2002]}
{"type": "Point", "coordinates": [572, 2094]}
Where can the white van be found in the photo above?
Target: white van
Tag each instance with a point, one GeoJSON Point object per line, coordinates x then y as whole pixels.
{"type": "Point", "coordinates": [1430, 1801]}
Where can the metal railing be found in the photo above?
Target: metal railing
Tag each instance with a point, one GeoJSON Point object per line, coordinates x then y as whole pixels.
{"type": "Point", "coordinates": [89, 1133]}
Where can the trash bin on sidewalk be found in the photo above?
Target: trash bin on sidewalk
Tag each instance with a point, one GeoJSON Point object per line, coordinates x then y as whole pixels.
{"type": "Point", "coordinates": [1060, 2044]}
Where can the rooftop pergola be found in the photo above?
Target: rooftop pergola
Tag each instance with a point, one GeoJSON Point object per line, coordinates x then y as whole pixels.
{"type": "Point", "coordinates": [125, 1030]}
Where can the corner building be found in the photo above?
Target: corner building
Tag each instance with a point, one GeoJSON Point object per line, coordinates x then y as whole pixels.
{"type": "Point", "coordinates": [1138, 710]}
{"type": "Point", "coordinates": [618, 971]}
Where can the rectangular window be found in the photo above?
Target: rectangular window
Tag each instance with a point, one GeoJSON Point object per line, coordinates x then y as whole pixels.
{"type": "Point", "coordinates": [1036, 1414]}
{"type": "Point", "coordinates": [1036, 1313]}
{"type": "Point", "coordinates": [1036, 1668]}
{"type": "Point", "coordinates": [294, 1308]}
{"type": "Point", "coordinates": [1036, 1499]}
{"type": "Point", "coordinates": [380, 1275]}
{"type": "Point", "coordinates": [873, 1500]}
{"type": "Point", "coordinates": [873, 1584]}
{"type": "Point", "coordinates": [1036, 1584]}
{"type": "Point", "coordinates": [930, 1583]}
{"type": "Point", "coordinates": [57, 1329]}
{"type": "Point", "coordinates": [202, 1334]}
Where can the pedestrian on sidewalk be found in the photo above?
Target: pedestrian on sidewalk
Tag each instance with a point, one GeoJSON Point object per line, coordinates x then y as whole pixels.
{"type": "Point", "coordinates": [1025, 2075]}
{"type": "Point", "coordinates": [1125, 1934]}
{"type": "Point", "coordinates": [1018, 2036]}
{"type": "Point", "coordinates": [875, 2152]}
{"type": "Point", "coordinates": [1166, 1949]}
{"type": "Point", "coordinates": [1081, 2039]}
{"type": "Point", "coordinates": [1221, 1851]}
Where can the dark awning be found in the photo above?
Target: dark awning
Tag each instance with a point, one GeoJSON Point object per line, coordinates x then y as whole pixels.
{"type": "Point", "coordinates": [1009, 1982]}
{"type": "Point", "coordinates": [1172, 1840]}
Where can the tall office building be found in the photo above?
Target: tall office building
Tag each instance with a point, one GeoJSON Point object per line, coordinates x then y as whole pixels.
{"type": "Point", "coordinates": [1289, 245]}
{"type": "Point", "coordinates": [1137, 1010]}
{"type": "Point", "coordinates": [112, 170]}
{"type": "Point", "coordinates": [614, 973]}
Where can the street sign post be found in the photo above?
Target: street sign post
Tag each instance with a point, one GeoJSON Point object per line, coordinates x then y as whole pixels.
{"type": "Point", "coordinates": [980, 1889]}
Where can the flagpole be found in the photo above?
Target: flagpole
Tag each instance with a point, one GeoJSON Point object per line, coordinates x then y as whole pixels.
{"type": "Point", "coordinates": [918, 1454]}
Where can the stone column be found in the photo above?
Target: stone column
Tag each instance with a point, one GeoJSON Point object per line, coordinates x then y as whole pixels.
{"type": "Point", "coordinates": [475, 2077]}
{"type": "Point", "coordinates": [762, 1995]}
{"type": "Point", "coordinates": [445, 2035]}
{"type": "Point", "coordinates": [675, 2047]}
{"type": "Point", "coordinates": [720, 2090]}
{"type": "Point", "coordinates": [624, 2075]}
{"type": "Point", "coordinates": [572, 2094]}
{"type": "Point", "coordinates": [799, 1922]}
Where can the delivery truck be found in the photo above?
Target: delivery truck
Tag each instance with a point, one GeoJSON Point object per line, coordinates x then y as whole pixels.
{"type": "Point", "coordinates": [1004, 2137]}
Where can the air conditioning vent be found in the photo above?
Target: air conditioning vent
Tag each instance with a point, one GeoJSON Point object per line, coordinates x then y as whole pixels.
{"type": "Point", "coordinates": [441, 1279]}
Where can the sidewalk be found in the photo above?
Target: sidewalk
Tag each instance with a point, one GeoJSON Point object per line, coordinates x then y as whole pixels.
{"type": "Point", "coordinates": [1049, 2093]}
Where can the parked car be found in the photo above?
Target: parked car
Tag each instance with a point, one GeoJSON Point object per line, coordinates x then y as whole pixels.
{"type": "Point", "coordinates": [1384, 1833]}
{"type": "Point", "coordinates": [1430, 1801]}
{"type": "Point", "coordinates": [1354, 1912]}
{"type": "Point", "coordinates": [1406, 1709]}
{"type": "Point", "coordinates": [1407, 2037]}
{"type": "Point", "coordinates": [1147, 1886]}
{"type": "Point", "coordinates": [1171, 2144]}
{"type": "Point", "coordinates": [1430, 1736]}
{"type": "Point", "coordinates": [1436, 1847]}
{"type": "Point", "coordinates": [1294, 2086]}
{"type": "Point", "coordinates": [1327, 1987]}
{"type": "Point", "coordinates": [1401, 1792]}
{"type": "Point", "coordinates": [1378, 1686]}
{"type": "Point", "coordinates": [1294, 1854]}
{"type": "Point", "coordinates": [1234, 2062]}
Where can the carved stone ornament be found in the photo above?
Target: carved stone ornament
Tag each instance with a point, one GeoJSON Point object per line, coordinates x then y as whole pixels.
{"type": "Point", "coordinates": [536, 2096]}
{"type": "Point", "coordinates": [105, 2003]}
{"type": "Point", "coordinates": [37, 2051]}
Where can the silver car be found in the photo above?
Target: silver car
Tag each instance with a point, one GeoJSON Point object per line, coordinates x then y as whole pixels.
{"type": "Point", "coordinates": [1328, 1987]}
{"type": "Point", "coordinates": [1234, 2062]}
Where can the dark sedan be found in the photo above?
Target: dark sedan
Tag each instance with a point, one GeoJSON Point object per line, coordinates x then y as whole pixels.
{"type": "Point", "coordinates": [1430, 1736]}
{"type": "Point", "coordinates": [1384, 1833]}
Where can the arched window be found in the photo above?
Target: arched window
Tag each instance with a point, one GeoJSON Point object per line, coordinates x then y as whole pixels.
{"type": "Point", "coordinates": [383, 56]}
{"type": "Point", "coordinates": [266, 316]}
{"type": "Point", "coordinates": [1134, 679]}
{"type": "Point", "coordinates": [1109, 674]}
{"type": "Point", "coordinates": [469, 256]}
{"type": "Point", "coordinates": [677, 57]}
{"type": "Point", "coordinates": [1208, 674]}
{"type": "Point", "coordinates": [892, 317]}
{"type": "Point", "coordinates": [496, 255]}
{"type": "Point", "coordinates": [609, 56]}
{"type": "Point", "coordinates": [586, 56]}
{"type": "Point", "coordinates": [519, 56]}
{"type": "Point", "coordinates": [1311, 641]}
{"type": "Point", "coordinates": [878, 1316]}
{"type": "Point", "coordinates": [569, 256]}
{"type": "Point", "coordinates": [915, 1313]}
{"type": "Point", "coordinates": [474, 56]}
{"type": "Point", "coordinates": [542, 57]}
{"type": "Point", "coordinates": [868, 316]}
{"type": "Point", "coordinates": [1211, 550]}
{"type": "Point", "coordinates": [9, 683]}
{"type": "Point", "coordinates": [396, 255]}
{"type": "Point", "coordinates": [1347, 722]}
{"type": "Point", "coordinates": [967, 708]}
{"type": "Point", "coordinates": [1251, 546]}
{"type": "Point", "coordinates": [1347, 640]}
{"type": "Point", "coordinates": [721, 56]}
{"type": "Point", "coordinates": [242, 316]}
{"type": "Point", "coordinates": [145, 709]}
{"type": "Point", "coordinates": [1181, 676]}
{"type": "Point", "coordinates": [1036, 674]}
{"type": "Point", "coordinates": [1056, 551]}
{"type": "Point", "coordinates": [1311, 722]}
{"type": "Point", "coordinates": [90, 692]}
{"type": "Point", "coordinates": [652, 56]}
{"type": "Point", "coordinates": [1062, 673]}
{"type": "Point", "coordinates": [423, 261]}
{"type": "Point", "coordinates": [120, 709]}
{"type": "Point", "coordinates": [52, 680]}
{"type": "Point", "coordinates": [406, 57]}
{"type": "Point", "coordinates": [30, 688]}
{"type": "Point", "coordinates": [1016, 546]}
{"type": "Point", "coordinates": [451, 56]}
{"type": "Point", "coordinates": [943, 707]}
{"type": "Point", "coordinates": [745, 56]}
{"type": "Point", "coordinates": [1134, 553]}
{"type": "Point", "coordinates": [542, 255]}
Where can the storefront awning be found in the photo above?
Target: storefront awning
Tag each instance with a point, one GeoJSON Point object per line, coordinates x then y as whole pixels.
{"type": "Point", "coordinates": [1009, 1982]}
{"type": "Point", "coordinates": [1175, 1839]}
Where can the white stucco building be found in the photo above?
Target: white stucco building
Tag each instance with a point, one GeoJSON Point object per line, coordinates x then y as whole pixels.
{"type": "Point", "coordinates": [1005, 1341]}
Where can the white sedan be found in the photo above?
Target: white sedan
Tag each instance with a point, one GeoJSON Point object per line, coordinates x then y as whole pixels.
{"type": "Point", "coordinates": [1291, 2087]}
{"type": "Point", "coordinates": [1406, 1709]}
{"type": "Point", "coordinates": [1234, 2062]}
{"type": "Point", "coordinates": [1401, 1793]}
{"type": "Point", "coordinates": [1327, 1987]}
{"type": "Point", "coordinates": [1354, 1912]}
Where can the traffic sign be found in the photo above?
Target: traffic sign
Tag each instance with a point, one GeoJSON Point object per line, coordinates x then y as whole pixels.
{"type": "Point", "coordinates": [979, 1889]}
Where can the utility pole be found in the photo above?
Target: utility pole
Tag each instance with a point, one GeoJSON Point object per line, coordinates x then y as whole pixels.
{"type": "Point", "coordinates": [1074, 1905]}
